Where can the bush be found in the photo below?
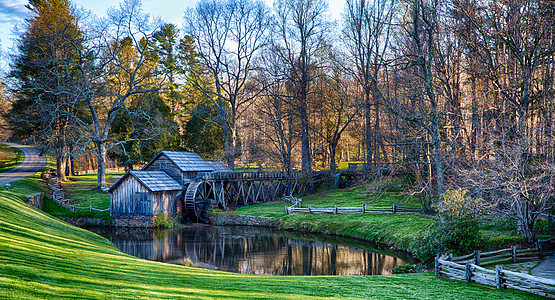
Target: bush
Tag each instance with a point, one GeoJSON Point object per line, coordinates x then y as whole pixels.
{"type": "Point", "coordinates": [162, 220]}
{"type": "Point", "coordinates": [399, 269]}
{"type": "Point", "coordinates": [459, 236]}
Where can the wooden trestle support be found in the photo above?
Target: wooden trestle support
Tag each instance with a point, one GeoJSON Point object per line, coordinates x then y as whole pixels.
{"type": "Point", "coordinates": [228, 190]}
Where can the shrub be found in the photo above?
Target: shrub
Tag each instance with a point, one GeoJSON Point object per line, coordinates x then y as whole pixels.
{"type": "Point", "coordinates": [408, 268]}
{"type": "Point", "coordinates": [455, 235]}
{"type": "Point", "coordinates": [162, 220]}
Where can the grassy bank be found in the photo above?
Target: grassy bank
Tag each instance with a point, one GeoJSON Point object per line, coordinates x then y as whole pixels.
{"type": "Point", "coordinates": [43, 257]}
{"type": "Point", "coordinates": [82, 189]}
{"type": "Point", "coordinates": [10, 157]}
{"type": "Point", "coordinates": [398, 230]}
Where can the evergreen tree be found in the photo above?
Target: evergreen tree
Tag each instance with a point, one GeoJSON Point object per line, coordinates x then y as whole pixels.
{"type": "Point", "coordinates": [42, 71]}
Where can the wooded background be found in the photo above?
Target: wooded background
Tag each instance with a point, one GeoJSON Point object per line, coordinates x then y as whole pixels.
{"type": "Point", "coordinates": [452, 93]}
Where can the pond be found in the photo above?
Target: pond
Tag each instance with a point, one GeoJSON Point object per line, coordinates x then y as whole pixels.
{"type": "Point", "coordinates": [257, 250]}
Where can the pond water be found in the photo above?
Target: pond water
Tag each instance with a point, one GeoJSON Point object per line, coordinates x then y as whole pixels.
{"type": "Point", "coordinates": [257, 250]}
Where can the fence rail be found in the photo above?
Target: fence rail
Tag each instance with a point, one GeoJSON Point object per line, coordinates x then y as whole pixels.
{"type": "Point", "coordinates": [493, 257]}
{"type": "Point", "coordinates": [468, 268]}
{"type": "Point", "coordinates": [352, 210]}
{"type": "Point", "coordinates": [58, 197]}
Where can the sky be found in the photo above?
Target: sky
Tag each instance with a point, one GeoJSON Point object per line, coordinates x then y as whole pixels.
{"type": "Point", "coordinates": [13, 12]}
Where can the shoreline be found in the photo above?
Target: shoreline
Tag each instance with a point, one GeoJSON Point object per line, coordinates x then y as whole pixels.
{"type": "Point", "coordinates": [245, 220]}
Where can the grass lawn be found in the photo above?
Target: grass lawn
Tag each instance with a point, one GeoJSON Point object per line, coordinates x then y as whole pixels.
{"type": "Point", "coordinates": [10, 157]}
{"type": "Point", "coordinates": [82, 190]}
{"type": "Point", "coordinates": [43, 257]}
{"type": "Point", "coordinates": [398, 230]}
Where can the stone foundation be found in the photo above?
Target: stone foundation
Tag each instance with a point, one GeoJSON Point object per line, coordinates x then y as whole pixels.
{"type": "Point", "coordinates": [240, 220]}
{"type": "Point", "coordinates": [139, 220]}
{"type": "Point", "coordinates": [133, 220]}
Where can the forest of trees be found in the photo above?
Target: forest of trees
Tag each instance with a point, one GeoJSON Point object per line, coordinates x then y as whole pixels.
{"type": "Point", "coordinates": [455, 94]}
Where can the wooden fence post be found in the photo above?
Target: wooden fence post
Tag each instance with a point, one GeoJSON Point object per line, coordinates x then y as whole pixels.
{"type": "Point", "coordinates": [498, 274]}
{"type": "Point", "coordinates": [286, 210]}
{"type": "Point", "coordinates": [477, 257]}
{"type": "Point", "coordinates": [309, 210]}
{"type": "Point", "coordinates": [467, 273]}
{"type": "Point", "coordinates": [335, 210]}
{"type": "Point", "coordinates": [450, 257]}
{"type": "Point", "coordinates": [539, 246]}
{"type": "Point", "coordinates": [90, 207]}
{"type": "Point", "coordinates": [394, 208]}
{"type": "Point", "coordinates": [513, 250]}
{"type": "Point", "coordinates": [437, 265]}
{"type": "Point", "coordinates": [363, 208]}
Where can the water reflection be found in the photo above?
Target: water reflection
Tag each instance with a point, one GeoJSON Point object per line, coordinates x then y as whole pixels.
{"type": "Point", "coordinates": [253, 250]}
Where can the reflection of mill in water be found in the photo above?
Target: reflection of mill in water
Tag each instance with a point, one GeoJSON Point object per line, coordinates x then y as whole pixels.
{"type": "Point", "coordinates": [253, 251]}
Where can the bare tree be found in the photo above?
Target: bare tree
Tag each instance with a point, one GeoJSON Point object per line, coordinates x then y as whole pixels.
{"type": "Point", "coordinates": [110, 66]}
{"type": "Point", "coordinates": [301, 29]}
{"type": "Point", "coordinates": [367, 30]}
{"type": "Point", "coordinates": [277, 122]}
{"type": "Point", "coordinates": [518, 184]}
{"type": "Point", "coordinates": [338, 103]}
{"type": "Point", "coordinates": [228, 34]}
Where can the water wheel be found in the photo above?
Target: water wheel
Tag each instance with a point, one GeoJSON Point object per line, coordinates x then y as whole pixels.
{"type": "Point", "coordinates": [197, 200]}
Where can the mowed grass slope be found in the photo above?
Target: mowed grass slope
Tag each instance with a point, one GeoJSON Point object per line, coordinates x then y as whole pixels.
{"type": "Point", "coordinates": [10, 157]}
{"type": "Point", "coordinates": [82, 190]}
{"type": "Point", "coordinates": [43, 257]}
{"type": "Point", "coordinates": [398, 230]}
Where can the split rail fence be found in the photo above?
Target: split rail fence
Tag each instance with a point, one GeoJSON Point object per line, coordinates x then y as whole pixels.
{"type": "Point", "coordinates": [469, 268]}
{"type": "Point", "coordinates": [352, 210]}
{"type": "Point", "coordinates": [59, 197]}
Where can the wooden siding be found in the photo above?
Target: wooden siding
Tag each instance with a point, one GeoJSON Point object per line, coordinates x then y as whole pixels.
{"type": "Point", "coordinates": [188, 176]}
{"type": "Point", "coordinates": [162, 163]}
{"type": "Point", "coordinates": [131, 197]}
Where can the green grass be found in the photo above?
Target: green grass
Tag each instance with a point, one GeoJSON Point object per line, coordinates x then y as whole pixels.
{"type": "Point", "coordinates": [43, 257]}
{"type": "Point", "coordinates": [82, 190]}
{"type": "Point", "coordinates": [10, 157]}
{"type": "Point", "coordinates": [398, 230]}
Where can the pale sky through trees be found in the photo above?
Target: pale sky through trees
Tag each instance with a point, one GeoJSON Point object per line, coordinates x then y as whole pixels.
{"type": "Point", "coordinates": [12, 13]}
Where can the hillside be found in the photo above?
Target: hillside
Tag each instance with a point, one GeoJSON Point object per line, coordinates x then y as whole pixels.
{"type": "Point", "coordinates": [43, 257]}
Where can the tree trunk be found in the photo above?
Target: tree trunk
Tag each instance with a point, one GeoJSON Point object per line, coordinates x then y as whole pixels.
{"type": "Point", "coordinates": [305, 140]}
{"type": "Point", "coordinates": [72, 165]}
{"type": "Point", "coordinates": [101, 158]}
{"type": "Point", "coordinates": [61, 167]}
{"type": "Point", "coordinates": [368, 117]}
{"type": "Point", "coordinates": [377, 137]}
{"type": "Point", "coordinates": [333, 166]}
{"type": "Point", "coordinates": [437, 156]}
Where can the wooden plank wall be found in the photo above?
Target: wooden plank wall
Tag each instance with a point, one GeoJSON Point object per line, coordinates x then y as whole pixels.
{"type": "Point", "coordinates": [166, 202]}
{"type": "Point", "coordinates": [124, 198]}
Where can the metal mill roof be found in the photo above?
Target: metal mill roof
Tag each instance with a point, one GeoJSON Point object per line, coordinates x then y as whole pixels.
{"type": "Point", "coordinates": [219, 166]}
{"type": "Point", "coordinates": [154, 181]}
{"type": "Point", "coordinates": [185, 161]}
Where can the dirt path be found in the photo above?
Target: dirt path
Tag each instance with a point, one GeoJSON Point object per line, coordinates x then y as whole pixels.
{"type": "Point", "coordinates": [31, 164]}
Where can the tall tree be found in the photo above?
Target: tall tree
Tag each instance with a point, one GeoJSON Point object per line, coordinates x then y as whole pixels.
{"type": "Point", "coordinates": [113, 64]}
{"type": "Point", "coordinates": [41, 70]}
{"type": "Point", "coordinates": [301, 29]}
{"type": "Point", "coordinates": [367, 30]}
{"type": "Point", "coordinates": [228, 34]}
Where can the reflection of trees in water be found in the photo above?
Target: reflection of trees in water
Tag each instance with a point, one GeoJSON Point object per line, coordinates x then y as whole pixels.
{"type": "Point", "coordinates": [252, 251]}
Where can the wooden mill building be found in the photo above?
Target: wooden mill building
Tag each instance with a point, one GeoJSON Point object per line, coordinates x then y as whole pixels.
{"type": "Point", "coordinates": [158, 188]}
